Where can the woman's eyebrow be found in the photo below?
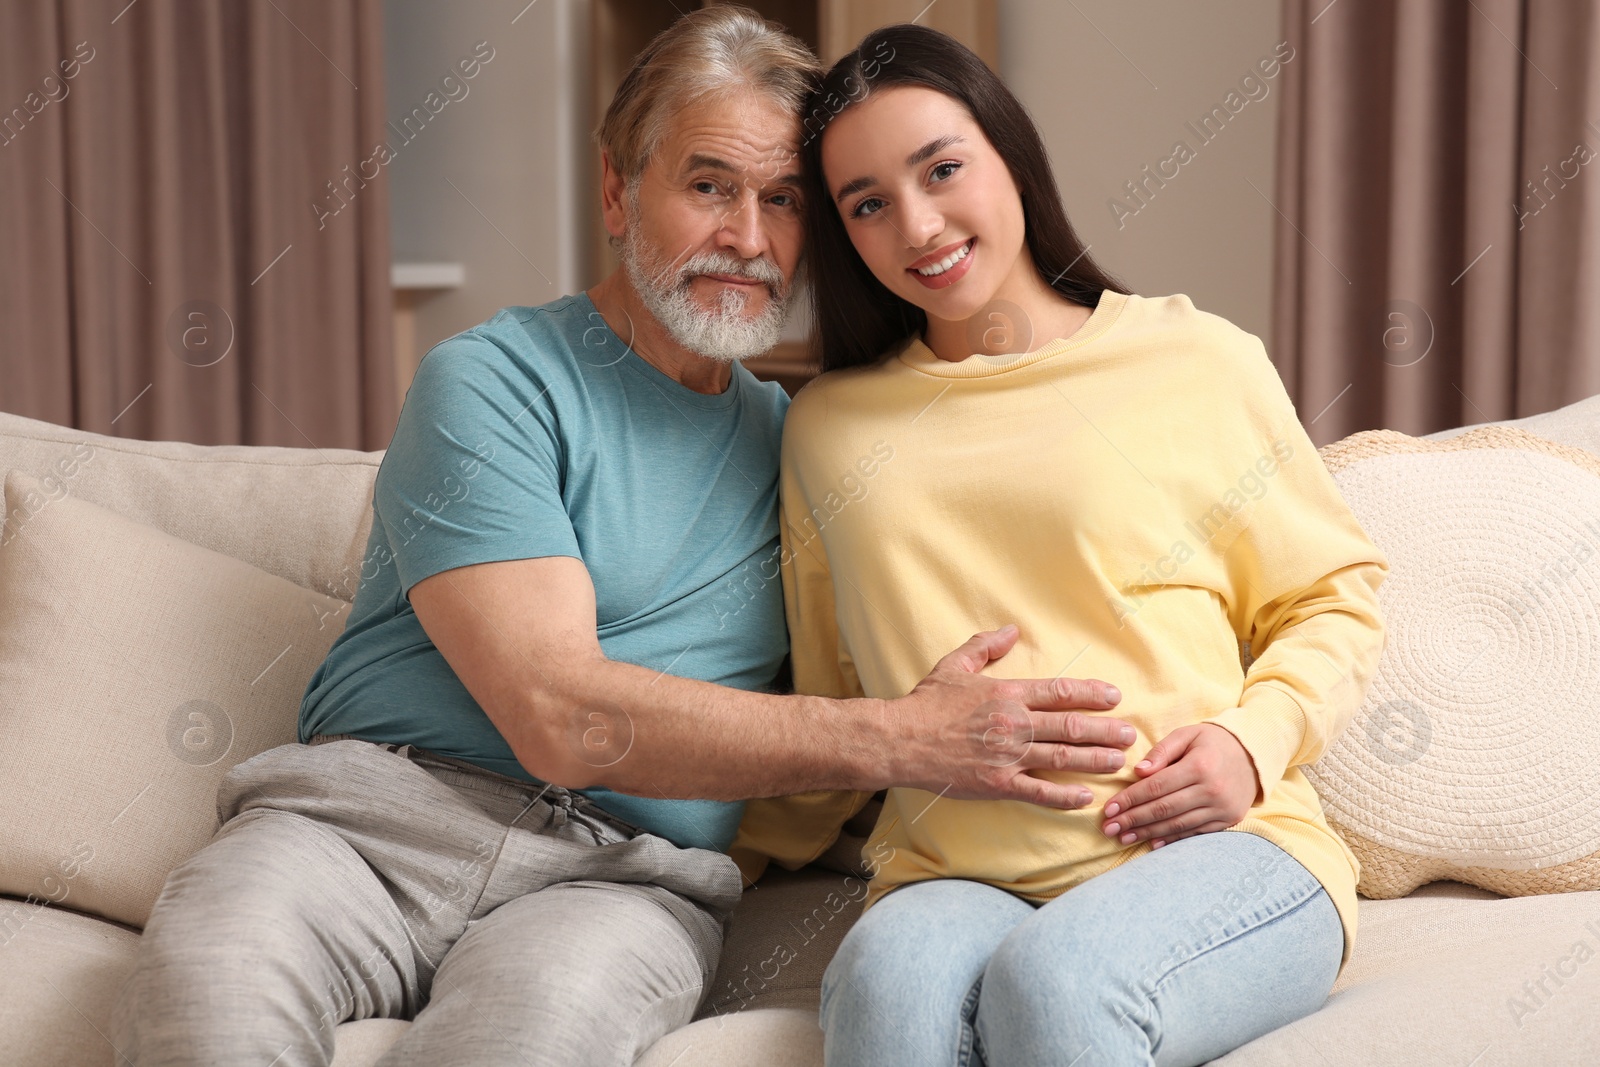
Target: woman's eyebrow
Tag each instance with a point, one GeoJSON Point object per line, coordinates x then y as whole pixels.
{"type": "Point", "coordinates": [938, 144]}
{"type": "Point", "coordinates": [855, 186]}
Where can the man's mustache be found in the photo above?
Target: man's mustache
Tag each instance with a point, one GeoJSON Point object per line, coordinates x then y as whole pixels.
{"type": "Point", "coordinates": [759, 269]}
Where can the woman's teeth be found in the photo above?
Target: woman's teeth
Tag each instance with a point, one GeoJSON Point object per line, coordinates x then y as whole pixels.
{"type": "Point", "coordinates": [947, 262]}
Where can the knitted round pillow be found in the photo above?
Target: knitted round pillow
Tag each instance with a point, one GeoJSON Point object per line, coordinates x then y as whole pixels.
{"type": "Point", "coordinates": [1475, 756]}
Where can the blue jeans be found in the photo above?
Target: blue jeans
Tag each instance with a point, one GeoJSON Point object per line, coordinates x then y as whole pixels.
{"type": "Point", "coordinates": [1174, 958]}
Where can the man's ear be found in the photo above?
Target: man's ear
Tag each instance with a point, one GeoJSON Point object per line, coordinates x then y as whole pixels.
{"type": "Point", "coordinates": [613, 199]}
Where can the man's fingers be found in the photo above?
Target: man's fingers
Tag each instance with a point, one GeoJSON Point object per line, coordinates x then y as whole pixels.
{"type": "Point", "coordinates": [1055, 741]}
{"type": "Point", "coordinates": [1033, 790]}
{"type": "Point", "coordinates": [1075, 728]}
{"type": "Point", "coordinates": [1057, 757]}
{"type": "Point", "coordinates": [979, 650]}
{"type": "Point", "coordinates": [1060, 694]}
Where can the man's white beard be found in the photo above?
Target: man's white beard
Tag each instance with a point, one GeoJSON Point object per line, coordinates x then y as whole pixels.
{"type": "Point", "coordinates": [723, 333]}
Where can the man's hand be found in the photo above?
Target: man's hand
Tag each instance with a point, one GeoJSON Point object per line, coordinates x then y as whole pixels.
{"type": "Point", "coordinates": [1197, 780]}
{"type": "Point", "coordinates": [971, 737]}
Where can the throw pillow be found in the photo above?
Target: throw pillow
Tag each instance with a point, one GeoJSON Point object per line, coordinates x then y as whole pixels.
{"type": "Point", "coordinates": [135, 670]}
{"type": "Point", "coordinates": [1473, 756]}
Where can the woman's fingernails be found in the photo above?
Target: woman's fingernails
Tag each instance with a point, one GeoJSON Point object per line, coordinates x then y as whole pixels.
{"type": "Point", "coordinates": [1157, 844]}
{"type": "Point", "coordinates": [1143, 764]}
{"type": "Point", "coordinates": [1112, 809]}
{"type": "Point", "coordinates": [1113, 828]}
{"type": "Point", "coordinates": [1127, 839]}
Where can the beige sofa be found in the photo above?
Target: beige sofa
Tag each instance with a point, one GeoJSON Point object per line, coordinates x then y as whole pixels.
{"type": "Point", "coordinates": [1433, 980]}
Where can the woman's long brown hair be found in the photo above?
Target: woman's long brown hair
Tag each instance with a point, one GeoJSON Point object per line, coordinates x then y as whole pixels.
{"type": "Point", "coordinates": [858, 320]}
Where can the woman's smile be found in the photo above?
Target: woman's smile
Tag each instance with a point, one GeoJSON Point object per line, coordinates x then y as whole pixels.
{"type": "Point", "coordinates": [946, 266]}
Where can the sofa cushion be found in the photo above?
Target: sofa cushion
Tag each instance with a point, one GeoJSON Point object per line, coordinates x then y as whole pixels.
{"type": "Point", "coordinates": [1452, 976]}
{"type": "Point", "coordinates": [1449, 976]}
{"type": "Point", "coordinates": [135, 670]}
{"type": "Point", "coordinates": [780, 939]}
{"type": "Point", "coordinates": [1472, 756]}
{"type": "Point", "coordinates": [61, 976]}
{"type": "Point", "coordinates": [1577, 424]}
{"type": "Point", "coordinates": [763, 1037]}
{"type": "Point", "coordinates": [300, 513]}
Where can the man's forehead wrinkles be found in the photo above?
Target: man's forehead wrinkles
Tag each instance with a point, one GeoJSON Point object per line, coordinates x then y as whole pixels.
{"type": "Point", "coordinates": [733, 148]}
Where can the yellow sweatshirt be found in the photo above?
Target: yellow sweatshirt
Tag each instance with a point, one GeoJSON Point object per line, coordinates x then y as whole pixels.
{"type": "Point", "coordinates": [1142, 502]}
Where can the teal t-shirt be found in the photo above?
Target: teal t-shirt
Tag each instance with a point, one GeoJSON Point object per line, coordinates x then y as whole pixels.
{"type": "Point", "coordinates": [540, 433]}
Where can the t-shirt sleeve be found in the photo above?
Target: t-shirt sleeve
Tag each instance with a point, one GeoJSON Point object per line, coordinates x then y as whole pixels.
{"type": "Point", "coordinates": [474, 471]}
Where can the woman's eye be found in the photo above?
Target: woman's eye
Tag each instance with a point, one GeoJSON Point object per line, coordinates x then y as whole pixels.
{"type": "Point", "coordinates": [867, 207]}
{"type": "Point", "coordinates": [944, 170]}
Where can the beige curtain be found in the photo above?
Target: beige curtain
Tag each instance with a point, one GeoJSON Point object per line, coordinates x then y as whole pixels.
{"type": "Point", "coordinates": [194, 238]}
{"type": "Point", "coordinates": [1438, 246]}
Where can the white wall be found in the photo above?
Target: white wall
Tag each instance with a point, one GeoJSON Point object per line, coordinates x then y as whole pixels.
{"type": "Point", "coordinates": [512, 217]}
{"type": "Point", "coordinates": [1112, 85]}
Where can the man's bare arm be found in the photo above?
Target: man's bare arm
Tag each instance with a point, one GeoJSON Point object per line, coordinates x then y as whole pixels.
{"type": "Point", "coordinates": [521, 636]}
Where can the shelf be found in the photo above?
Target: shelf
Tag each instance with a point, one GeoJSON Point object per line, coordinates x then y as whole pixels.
{"type": "Point", "coordinates": [416, 276]}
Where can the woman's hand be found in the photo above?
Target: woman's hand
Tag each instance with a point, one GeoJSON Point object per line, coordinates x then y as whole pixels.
{"type": "Point", "coordinates": [1196, 780]}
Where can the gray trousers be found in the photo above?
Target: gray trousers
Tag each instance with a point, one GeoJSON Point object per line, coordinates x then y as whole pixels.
{"type": "Point", "coordinates": [514, 923]}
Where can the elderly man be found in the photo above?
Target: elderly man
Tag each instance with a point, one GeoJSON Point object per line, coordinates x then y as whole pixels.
{"type": "Point", "coordinates": [524, 758]}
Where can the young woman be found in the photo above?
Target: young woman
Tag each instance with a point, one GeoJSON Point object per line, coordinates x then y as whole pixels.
{"type": "Point", "coordinates": [1002, 436]}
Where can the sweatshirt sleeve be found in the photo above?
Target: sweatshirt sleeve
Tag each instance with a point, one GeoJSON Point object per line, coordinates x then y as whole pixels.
{"type": "Point", "coordinates": [795, 830]}
{"type": "Point", "coordinates": [1301, 581]}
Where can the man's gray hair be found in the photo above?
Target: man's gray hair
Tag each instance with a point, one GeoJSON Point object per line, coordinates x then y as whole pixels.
{"type": "Point", "coordinates": [709, 52]}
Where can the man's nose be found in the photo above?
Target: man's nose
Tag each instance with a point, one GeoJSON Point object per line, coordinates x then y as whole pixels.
{"type": "Point", "coordinates": [743, 231]}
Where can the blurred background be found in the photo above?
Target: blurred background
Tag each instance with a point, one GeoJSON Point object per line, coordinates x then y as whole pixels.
{"type": "Point", "coordinates": [244, 221]}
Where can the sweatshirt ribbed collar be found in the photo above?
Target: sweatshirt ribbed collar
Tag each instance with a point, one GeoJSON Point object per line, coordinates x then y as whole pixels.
{"type": "Point", "coordinates": [918, 356]}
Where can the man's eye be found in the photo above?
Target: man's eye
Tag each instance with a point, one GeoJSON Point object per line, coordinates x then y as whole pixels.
{"type": "Point", "coordinates": [867, 207]}
{"type": "Point", "coordinates": [709, 188]}
{"type": "Point", "coordinates": [783, 200]}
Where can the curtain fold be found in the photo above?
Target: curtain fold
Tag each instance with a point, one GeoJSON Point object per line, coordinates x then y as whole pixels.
{"type": "Point", "coordinates": [194, 244]}
{"type": "Point", "coordinates": [1438, 251]}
